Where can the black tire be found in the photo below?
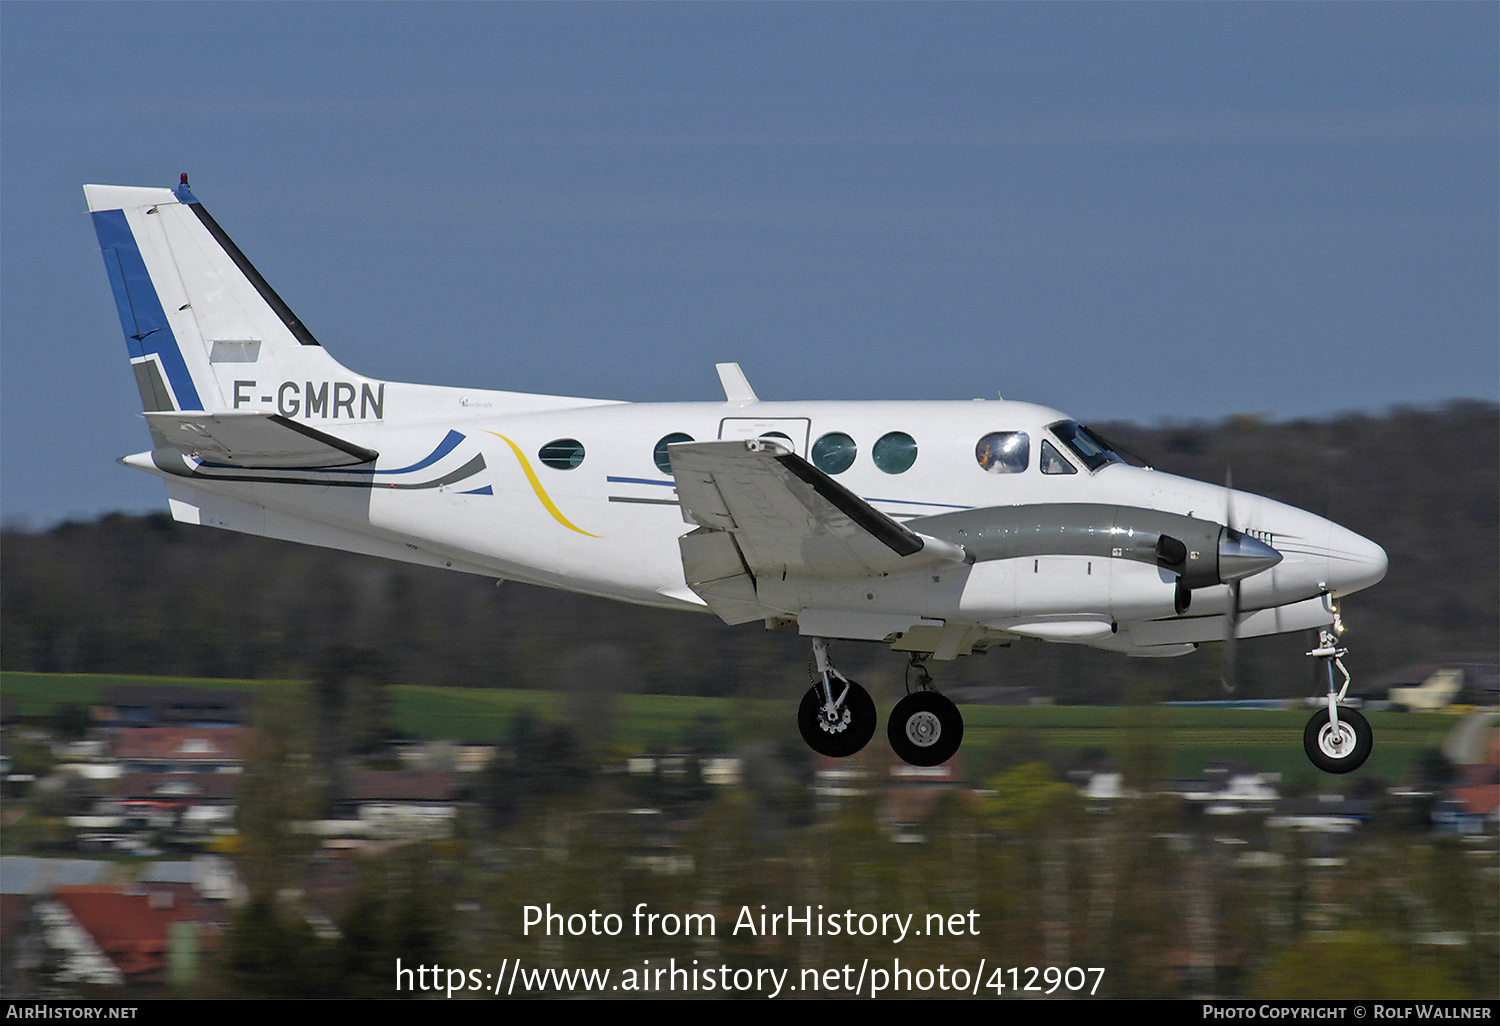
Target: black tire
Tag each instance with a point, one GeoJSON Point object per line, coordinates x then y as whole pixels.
{"type": "Point", "coordinates": [847, 734]}
{"type": "Point", "coordinates": [925, 729]}
{"type": "Point", "coordinates": [1344, 753]}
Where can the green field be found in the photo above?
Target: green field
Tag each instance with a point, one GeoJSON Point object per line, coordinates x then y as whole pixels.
{"type": "Point", "coordinates": [1193, 736]}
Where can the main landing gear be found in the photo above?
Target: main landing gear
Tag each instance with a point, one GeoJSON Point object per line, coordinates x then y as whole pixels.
{"type": "Point", "coordinates": [837, 717]}
{"type": "Point", "coordinates": [925, 728]}
{"type": "Point", "coordinates": [1337, 739]}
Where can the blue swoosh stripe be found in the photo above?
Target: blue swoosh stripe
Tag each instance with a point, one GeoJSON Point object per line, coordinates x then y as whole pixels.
{"type": "Point", "coordinates": [448, 444]}
{"type": "Point", "coordinates": [639, 480]}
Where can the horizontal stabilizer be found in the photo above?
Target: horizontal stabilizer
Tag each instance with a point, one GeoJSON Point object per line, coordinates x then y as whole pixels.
{"type": "Point", "coordinates": [247, 439]}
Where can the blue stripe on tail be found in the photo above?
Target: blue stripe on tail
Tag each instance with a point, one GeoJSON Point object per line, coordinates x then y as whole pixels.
{"type": "Point", "coordinates": [140, 309]}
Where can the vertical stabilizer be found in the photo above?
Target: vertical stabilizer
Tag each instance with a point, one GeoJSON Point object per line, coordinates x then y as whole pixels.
{"type": "Point", "coordinates": [204, 330]}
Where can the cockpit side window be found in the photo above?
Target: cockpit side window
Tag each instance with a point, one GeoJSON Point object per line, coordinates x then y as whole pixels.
{"type": "Point", "coordinates": [1004, 452]}
{"type": "Point", "coordinates": [1087, 446]}
{"type": "Point", "coordinates": [1053, 462]}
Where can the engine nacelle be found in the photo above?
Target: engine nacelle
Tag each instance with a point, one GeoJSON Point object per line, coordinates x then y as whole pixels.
{"type": "Point", "coordinates": [1200, 553]}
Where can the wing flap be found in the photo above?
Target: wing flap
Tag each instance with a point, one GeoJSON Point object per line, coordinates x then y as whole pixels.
{"type": "Point", "coordinates": [788, 517]}
{"type": "Point", "coordinates": [260, 440]}
{"type": "Point", "coordinates": [713, 569]}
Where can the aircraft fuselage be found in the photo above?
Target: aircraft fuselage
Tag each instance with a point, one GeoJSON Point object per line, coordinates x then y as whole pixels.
{"type": "Point", "coordinates": [939, 528]}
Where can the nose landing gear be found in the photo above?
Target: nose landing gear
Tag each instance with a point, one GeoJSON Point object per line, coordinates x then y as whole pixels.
{"type": "Point", "coordinates": [1337, 740]}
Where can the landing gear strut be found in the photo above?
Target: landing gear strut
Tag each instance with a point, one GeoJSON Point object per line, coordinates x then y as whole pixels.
{"type": "Point", "coordinates": [925, 729]}
{"type": "Point", "coordinates": [837, 716]}
{"type": "Point", "coordinates": [1337, 740]}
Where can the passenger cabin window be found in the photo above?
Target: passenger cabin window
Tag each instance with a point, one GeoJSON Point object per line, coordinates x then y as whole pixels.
{"type": "Point", "coordinates": [1087, 446]}
{"type": "Point", "coordinates": [895, 452]}
{"type": "Point", "coordinates": [1053, 462]}
{"type": "Point", "coordinates": [1004, 452]}
{"type": "Point", "coordinates": [780, 438]}
{"type": "Point", "coordinates": [562, 454]}
{"type": "Point", "coordinates": [834, 453]}
{"type": "Point", "coordinates": [659, 454]}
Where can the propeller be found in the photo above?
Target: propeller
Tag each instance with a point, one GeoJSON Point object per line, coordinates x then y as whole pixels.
{"type": "Point", "coordinates": [1232, 621]}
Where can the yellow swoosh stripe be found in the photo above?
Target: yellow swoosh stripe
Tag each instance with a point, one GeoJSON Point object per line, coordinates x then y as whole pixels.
{"type": "Point", "coordinates": [536, 486]}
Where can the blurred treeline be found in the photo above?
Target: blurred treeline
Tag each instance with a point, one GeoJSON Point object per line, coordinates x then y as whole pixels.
{"type": "Point", "coordinates": [129, 594]}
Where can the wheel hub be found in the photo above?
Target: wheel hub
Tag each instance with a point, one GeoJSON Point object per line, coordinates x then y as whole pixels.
{"type": "Point", "coordinates": [923, 729]}
{"type": "Point", "coordinates": [834, 720]}
{"type": "Point", "coordinates": [1336, 744]}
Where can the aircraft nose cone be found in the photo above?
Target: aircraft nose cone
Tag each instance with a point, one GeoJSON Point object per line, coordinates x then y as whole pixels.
{"type": "Point", "coordinates": [1354, 562]}
{"type": "Point", "coordinates": [1241, 555]}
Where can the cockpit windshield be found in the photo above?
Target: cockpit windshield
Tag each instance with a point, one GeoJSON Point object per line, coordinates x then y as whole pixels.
{"type": "Point", "coordinates": [1093, 450]}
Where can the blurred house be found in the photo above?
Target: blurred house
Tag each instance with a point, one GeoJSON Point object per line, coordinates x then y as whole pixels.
{"type": "Point", "coordinates": [388, 805]}
{"type": "Point", "coordinates": [179, 779]}
{"type": "Point", "coordinates": [70, 925]}
{"type": "Point", "coordinates": [129, 934]}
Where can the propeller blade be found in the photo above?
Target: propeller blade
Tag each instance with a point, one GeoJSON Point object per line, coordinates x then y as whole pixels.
{"type": "Point", "coordinates": [1231, 633]}
{"type": "Point", "coordinates": [1232, 621]}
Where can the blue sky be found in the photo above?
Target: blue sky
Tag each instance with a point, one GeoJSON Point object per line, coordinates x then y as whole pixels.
{"type": "Point", "coordinates": [1154, 212]}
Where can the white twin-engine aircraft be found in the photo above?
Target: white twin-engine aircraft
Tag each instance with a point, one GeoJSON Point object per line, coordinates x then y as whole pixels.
{"type": "Point", "coordinates": [938, 528]}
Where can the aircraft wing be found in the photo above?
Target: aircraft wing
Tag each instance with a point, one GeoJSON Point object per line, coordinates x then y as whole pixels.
{"type": "Point", "coordinates": [253, 440]}
{"type": "Point", "coordinates": [789, 518]}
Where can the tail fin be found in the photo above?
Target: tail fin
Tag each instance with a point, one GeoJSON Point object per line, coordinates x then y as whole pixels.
{"type": "Point", "coordinates": [204, 329]}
